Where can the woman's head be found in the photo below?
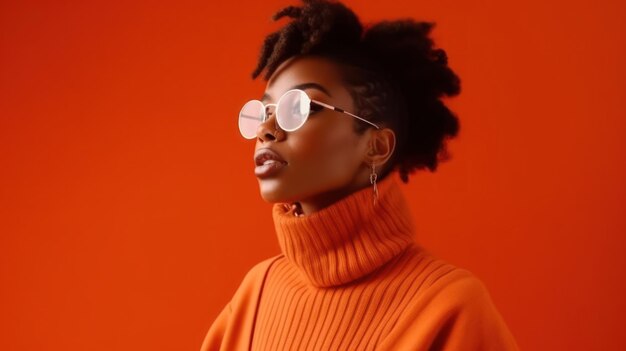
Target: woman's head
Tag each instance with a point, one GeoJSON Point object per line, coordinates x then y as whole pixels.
{"type": "Point", "coordinates": [389, 73]}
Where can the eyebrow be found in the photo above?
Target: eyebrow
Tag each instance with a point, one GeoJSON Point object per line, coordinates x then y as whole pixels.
{"type": "Point", "coordinates": [302, 87]}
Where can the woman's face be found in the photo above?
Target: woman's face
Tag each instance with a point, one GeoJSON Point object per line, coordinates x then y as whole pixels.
{"type": "Point", "coordinates": [325, 158]}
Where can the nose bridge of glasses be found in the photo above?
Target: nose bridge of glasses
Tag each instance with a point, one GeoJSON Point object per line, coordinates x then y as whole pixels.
{"type": "Point", "coordinates": [267, 107]}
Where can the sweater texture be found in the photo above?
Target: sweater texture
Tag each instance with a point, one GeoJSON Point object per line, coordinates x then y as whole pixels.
{"type": "Point", "coordinates": [351, 276]}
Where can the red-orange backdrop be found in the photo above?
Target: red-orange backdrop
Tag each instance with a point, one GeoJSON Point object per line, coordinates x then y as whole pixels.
{"type": "Point", "coordinates": [129, 211]}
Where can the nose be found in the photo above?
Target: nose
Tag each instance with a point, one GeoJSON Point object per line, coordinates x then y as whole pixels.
{"type": "Point", "coordinates": [270, 130]}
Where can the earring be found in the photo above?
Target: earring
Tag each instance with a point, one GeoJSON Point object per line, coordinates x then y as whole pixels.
{"type": "Point", "coordinates": [373, 177]}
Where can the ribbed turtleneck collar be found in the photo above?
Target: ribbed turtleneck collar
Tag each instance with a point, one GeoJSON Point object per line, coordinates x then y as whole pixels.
{"type": "Point", "coordinates": [350, 238]}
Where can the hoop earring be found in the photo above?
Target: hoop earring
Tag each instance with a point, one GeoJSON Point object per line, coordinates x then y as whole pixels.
{"type": "Point", "coordinates": [373, 177]}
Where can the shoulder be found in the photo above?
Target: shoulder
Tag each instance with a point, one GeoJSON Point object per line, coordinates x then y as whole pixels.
{"type": "Point", "coordinates": [460, 287]}
{"type": "Point", "coordinates": [260, 268]}
{"type": "Point", "coordinates": [252, 282]}
{"type": "Point", "coordinates": [447, 286]}
{"type": "Point", "coordinates": [453, 308]}
{"type": "Point", "coordinates": [444, 281]}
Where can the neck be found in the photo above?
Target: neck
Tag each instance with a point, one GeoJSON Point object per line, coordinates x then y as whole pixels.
{"type": "Point", "coordinates": [347, 239]}
{"type": "Point", "coordinates": [321, 201]}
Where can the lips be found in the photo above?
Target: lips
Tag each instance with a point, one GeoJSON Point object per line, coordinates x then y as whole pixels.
{"type": "Point", "coordinates": [268, 163]}
{"type": "Point", "coordinates": [262, 155]}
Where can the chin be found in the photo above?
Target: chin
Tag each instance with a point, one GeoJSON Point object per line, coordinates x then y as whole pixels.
{"type": "Point", "coordinates": [271, 192]}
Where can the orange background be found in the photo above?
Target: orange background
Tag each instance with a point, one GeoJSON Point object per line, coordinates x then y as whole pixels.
{"type": "Point", "coordinates": [129, 211]}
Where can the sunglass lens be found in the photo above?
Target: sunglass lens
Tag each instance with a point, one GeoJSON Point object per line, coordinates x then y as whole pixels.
{"type": "Point", "coordinates": [250, 117]}
{"type": "Point", "coordinates": [293, 110]}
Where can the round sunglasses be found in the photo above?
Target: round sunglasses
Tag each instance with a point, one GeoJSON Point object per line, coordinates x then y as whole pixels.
{"type": "Point", "coordinates": [292, 111]}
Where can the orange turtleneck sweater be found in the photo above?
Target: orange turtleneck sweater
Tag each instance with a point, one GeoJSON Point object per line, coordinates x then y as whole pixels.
{"type": "Point", "coordinates": [352, 277]}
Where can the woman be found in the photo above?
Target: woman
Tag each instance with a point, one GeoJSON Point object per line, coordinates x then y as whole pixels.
{"type": "Point", "coordinates": [346, 114]}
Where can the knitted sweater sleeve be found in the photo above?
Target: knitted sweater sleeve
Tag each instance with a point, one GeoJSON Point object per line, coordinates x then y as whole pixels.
{"type": "Point", "coordinates": [454, 313]}
{"type": "Point", "coordinates": [233, 326]}
{"type": "Point", "coordinates": [213, 339]}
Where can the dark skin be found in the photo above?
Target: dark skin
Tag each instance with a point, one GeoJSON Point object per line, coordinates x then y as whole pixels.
{"type": "Point", "coordinates": [326, 159]}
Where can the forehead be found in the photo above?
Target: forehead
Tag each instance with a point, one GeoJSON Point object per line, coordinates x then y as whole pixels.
{"type": "Point", "coordinates": [305, 69]}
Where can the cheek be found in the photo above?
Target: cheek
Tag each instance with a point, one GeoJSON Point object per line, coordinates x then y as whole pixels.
{"type": "Point", "coordinates": [332, 148]}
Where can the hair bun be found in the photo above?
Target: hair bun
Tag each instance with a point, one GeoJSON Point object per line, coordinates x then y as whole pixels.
{"type": "Point", "coordinates": [405, 50]}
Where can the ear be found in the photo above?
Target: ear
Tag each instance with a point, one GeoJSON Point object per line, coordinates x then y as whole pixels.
{"type": "Point", "coordinates": [382, 143]}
